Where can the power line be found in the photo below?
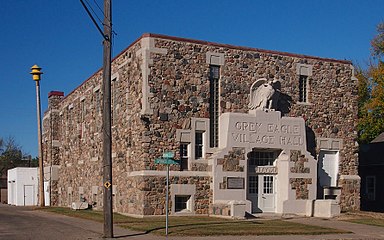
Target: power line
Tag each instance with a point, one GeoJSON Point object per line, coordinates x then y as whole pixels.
{"type": "Point", "coordinates": [94, 21]}
{"type": "Point", "coordinates": [97, 16]}
{"type": "Point", "coordinates": [98, 6]}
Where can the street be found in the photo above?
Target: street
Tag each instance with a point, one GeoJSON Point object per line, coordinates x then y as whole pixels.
{"type": "Point", "coordinates": [24, 223]}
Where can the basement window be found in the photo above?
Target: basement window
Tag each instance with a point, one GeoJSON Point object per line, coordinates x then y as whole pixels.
{"type": "Point", "coordinates": [182, 203]}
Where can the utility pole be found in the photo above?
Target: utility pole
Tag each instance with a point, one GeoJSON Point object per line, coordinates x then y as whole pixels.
{"type": "Point", "coordinates": [107, 133]}
{"type": "Point", "coordinates": [106, 128]}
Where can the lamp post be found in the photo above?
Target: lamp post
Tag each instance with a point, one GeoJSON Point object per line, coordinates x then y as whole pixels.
{"type": "Point", "coordinates": [36, 77]}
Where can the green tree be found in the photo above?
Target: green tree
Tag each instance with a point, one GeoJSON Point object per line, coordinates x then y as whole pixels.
{"type": "Point", "coordinates": [11, 156]}
{"type": "Point", "coordinates": [371, 92]}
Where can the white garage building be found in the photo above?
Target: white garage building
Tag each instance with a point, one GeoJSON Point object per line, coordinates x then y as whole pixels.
{"type": "Point", "coordinates": [22, 186]}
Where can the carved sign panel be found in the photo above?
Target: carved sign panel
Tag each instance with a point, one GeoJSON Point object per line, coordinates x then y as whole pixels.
{"type": "Point", "coordinates": [266, 170]}
{"type": "Point", "coordinates": [264, 130]}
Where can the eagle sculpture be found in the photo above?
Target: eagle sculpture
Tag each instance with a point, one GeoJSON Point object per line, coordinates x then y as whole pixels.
{"type": "Point", "coordinates": [262, 94]}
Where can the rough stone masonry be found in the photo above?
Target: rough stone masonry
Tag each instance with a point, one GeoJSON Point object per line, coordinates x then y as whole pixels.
{"type": "Point", "coordinates": [161, 100]}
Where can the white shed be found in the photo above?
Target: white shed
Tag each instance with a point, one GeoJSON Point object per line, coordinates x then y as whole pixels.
{"type": "Point", "coordinates": [22, 186]}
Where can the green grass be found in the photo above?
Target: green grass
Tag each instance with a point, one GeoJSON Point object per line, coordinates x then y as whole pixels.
{"type": "Point", "coordinates": [200, 225]}
{"type": "Point", "coordinates": [365, 217]}
{"type": "Point", "coordinates": [368, 221]}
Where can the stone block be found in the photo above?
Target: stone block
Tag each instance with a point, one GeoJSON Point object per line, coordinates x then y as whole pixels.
{"type": "Point", "coordinates": [326, 208]}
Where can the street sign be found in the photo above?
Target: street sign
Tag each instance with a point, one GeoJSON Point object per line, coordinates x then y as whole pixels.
{"type": "Point", "coordinates": [166, 161]}
{"type": "Point", "coordinates": [107, 184]}
{"type": "Point", "coordinates": [168, 155]}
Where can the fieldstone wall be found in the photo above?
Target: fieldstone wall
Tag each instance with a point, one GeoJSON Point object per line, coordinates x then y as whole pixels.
{"type": "Point", "coordinates": [350, 194]}
{"type": "Point", "coordinates": [300, 185]}
{"type": "Point", "coordinates": [154, 191]}
{"type": "Point", "coordinates": [221, 210]}
{"type": "Point", "coordinates": [231, 162]}
{"type": "Point", "coordinates": [177, 74]}
{"type": "Point", "coordinates": [299, 162]}
{"type": "Point", "coordinates": [330, 113]}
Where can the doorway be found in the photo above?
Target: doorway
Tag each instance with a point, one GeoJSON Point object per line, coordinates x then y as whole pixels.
{"type": "Point", "coordinates": [261, 192]}
{"type": "Point", "coordinates": [29, 198]}
{"type": "Point", "coordinates": [261, 185]}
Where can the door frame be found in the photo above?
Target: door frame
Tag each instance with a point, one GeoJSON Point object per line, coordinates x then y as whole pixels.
{"type": "Point", "coordinates": [32, 197]}
{"type": "Point", "coordinates": [257, 198]}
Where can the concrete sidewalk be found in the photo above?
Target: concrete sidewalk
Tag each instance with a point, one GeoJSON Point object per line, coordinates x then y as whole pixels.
{"type": "Point", "coordinates": [359, 231]}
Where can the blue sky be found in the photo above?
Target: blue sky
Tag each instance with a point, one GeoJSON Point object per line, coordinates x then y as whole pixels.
{"type": "Point", "coordinates": [60, 38]}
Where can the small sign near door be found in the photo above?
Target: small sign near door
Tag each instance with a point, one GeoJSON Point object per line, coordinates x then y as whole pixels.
{"type": "Point", "coordinates": [235, 183]}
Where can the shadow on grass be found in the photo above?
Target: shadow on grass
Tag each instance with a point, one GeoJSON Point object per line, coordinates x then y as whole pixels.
{"type": "Point", "coordinates": [185, 226]}
{"type": "Point", "coordinates": [196, 226]}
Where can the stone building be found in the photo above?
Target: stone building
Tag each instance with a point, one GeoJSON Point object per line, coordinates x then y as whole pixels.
{"type": "Point", "coordinates": [254, 131]}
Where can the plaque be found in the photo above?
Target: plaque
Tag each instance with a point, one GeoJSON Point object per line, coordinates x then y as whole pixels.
{"type": "Point", "coordinates": [235, 183]}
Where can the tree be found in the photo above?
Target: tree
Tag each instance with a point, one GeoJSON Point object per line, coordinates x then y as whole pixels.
{"type": "Point", "coordinates": [11, 155]}
{"type": "Point", "coordinates": [371, 92]}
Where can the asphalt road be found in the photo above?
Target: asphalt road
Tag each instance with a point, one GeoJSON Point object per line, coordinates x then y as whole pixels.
{"type": "Point", "coordinates": [24, 223]}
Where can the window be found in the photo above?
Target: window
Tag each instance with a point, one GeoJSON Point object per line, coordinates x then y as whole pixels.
{"type": "Point", "coordinates": [253, 182]}
{"type": "Point", "coordinates": [198, 145]}
{"type": "Point", "coordinates": [183, 156]}
{"type": "Point", "coordinates": [370, 187]}
{"type": "Point", "coordinates": [268, 185]}
{"type": "Point", "coordinates": [181, 202]}
{"type": "Point", "coordinates": [261, 158]}
{"type": "Point", "coordinates": [97, 101]}
{"type": "Point", "coordinates": [115, 100]}
{"type": "Point", "coordinates": [70, 119]}
{"type": "Point", "coordinates": [82, 109]}
{"type": "Point", "coordinates": [303, 88]}
{"type": "Point", "coordinates": [214, 76]}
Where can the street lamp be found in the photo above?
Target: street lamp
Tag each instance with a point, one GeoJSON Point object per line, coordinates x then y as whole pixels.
{"type": "Point", "coordinates": [36, 77]}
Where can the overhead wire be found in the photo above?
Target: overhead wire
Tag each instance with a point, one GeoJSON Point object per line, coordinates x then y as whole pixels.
{"type": "Point", "coordinates": [93, 11]}
{"type": "Point", "coordinates": [98, 6]}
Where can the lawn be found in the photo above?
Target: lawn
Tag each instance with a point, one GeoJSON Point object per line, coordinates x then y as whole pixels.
{"type": "Point", "coordinates": [200, 225]}
{"type": "Point", "coordinates": [368, 218]}
{"type": "Point", "coordinates": [369, 221]}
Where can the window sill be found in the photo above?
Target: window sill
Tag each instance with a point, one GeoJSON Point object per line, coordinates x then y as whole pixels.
{"type": "Point", "coordinates": [304, 103]}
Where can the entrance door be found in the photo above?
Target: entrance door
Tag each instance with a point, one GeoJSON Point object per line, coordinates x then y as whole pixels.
{"type": "Point", "coordinates": [266, 193]}
{"type": "Point", "coordinates": [29, 195]}
{"type": "Point", "coordinates": [253, 192]}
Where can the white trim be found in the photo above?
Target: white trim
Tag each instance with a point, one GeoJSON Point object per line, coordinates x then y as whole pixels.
{"type": "Point", "coordinates": [304, 69]}
{"type": "Point", "coordinates": [147, 47]}
{"type": "Point", "coordinates": [97, 88]}
{"type": "Point", "coordinates": [215, 58]}
{"type": "Point", "coordinates": [173, 173]}
{"type": "Point", "coordinates": [350, 177]}
{"type": "Point", "coordinates": [334, 144]}
{"type": "Point", "coordinates": [115, 76]}
{"type": "Point", "coordinates": [183, 190]}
